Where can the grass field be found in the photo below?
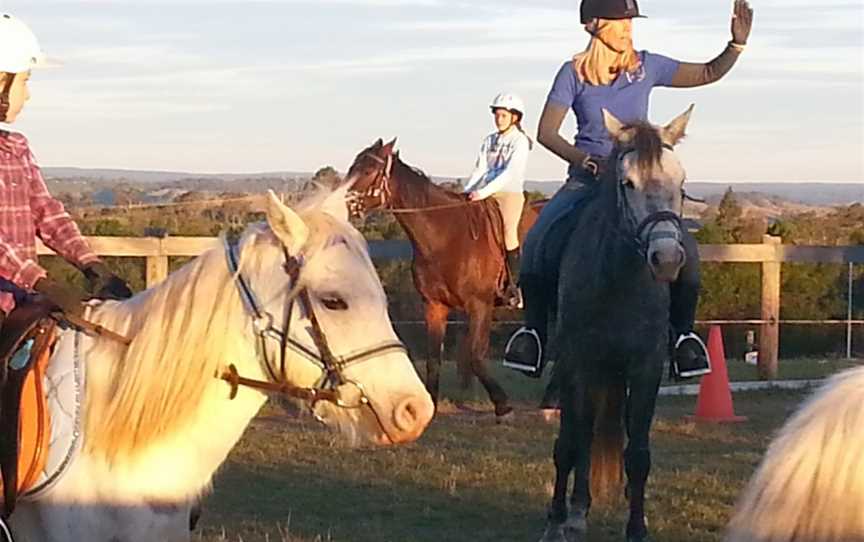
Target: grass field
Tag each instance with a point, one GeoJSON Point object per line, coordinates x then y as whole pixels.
{"type": "Point", "coordinates": [468, 479]}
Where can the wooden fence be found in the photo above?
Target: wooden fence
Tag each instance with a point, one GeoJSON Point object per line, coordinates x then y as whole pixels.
{"type": "Point", "coordinates": [770, 254]}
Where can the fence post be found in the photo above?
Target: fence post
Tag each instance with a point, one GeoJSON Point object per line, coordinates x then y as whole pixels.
{"type": "Point", "coordinates": [769, 338]}
{"type": "Point", "coordinates": [157, 266]}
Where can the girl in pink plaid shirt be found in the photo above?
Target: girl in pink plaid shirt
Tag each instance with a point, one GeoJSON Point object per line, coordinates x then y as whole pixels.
{"type": "Point", "coordinates": [26, 207]}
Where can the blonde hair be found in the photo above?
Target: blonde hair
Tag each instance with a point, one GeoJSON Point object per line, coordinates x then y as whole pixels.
{"type": "Point", "coordinates": [599, 64]}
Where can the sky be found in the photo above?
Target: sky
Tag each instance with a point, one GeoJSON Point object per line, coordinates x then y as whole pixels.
{"type": "Point", "coordinates": [293, 85]}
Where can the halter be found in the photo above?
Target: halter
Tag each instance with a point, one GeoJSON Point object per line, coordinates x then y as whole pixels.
{"type": "Point", "coordinates": [636, 232]}
{"type": "Point", "coordinates": [332, 379]}
{"type": "Point", "coordinates": [378, 189]}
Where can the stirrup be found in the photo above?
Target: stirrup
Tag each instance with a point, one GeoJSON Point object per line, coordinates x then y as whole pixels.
{"type": "Point", "coordinates": [690, 373]}
{"type": "Point", "coordinates": [517, 364]}
{"type": "Point", "coordinates": [5, 533]}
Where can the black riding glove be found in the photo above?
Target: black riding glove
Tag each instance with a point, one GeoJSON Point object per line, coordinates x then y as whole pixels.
{"type": "Point", "coordinates": [62, 296]}
{"type": "Point", "coordinates": [594, 166]}
{"type": "Point", "coordinates": [104, 284]}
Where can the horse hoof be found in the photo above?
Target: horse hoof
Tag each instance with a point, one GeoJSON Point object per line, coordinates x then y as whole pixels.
{"type": "Point", "coordinates": [550, 415]}
{"type": "Point", "coordinates": [505, 417]}
{"type": "Point", "coordinates": [576, 527]}
{"type": "Point", "coordinates": [554, 533]}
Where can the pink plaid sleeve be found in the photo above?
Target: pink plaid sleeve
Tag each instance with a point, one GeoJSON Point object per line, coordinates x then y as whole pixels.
{"type": "Point", "coordinates": [21, 271]}
{"type": "Point", "coordinates": [53, 224]}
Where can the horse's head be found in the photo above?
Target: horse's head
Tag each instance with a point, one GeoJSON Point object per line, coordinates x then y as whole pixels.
{"type": "Point", "coordinates": [322, 325]}
{"type": "Point", "coordinates": [369, 177]}
{"type": "Point", "coordinates": [649, 180]}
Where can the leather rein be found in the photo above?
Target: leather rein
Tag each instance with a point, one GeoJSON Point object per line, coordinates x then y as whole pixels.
{"type": "Point", "coordinates": [332, 367]}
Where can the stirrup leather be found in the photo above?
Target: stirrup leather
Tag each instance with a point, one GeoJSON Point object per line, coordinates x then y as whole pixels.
{"type": "Point", "coordinates": [692, 372]}
{"type": "Point", "coordinates": [516, 365]}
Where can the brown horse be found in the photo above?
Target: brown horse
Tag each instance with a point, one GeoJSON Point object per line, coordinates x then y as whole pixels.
{"type": "Point", "coordinates": [459, 261]}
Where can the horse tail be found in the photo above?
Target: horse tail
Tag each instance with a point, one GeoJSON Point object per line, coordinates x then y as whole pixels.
{"type": "Point", "coordinates": [607, 448]}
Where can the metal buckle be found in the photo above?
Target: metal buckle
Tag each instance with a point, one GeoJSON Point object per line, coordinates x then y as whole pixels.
{"type": "Point", "coordinates": [259, 327]}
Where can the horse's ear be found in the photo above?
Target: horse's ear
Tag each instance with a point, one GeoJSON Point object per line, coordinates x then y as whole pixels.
{"type": "Point", "coordinates": [614, 126]}
{"type": "Point", "coordinates": [674, 132]}
{"type": "Point", "coordinates": [378, 144]}
{"type": "Point", "coordinates": [388, 148]}
{"type": "Point", "coordinates": [336, 203]}
{"type": "Point", "coordinates": [286, 224]}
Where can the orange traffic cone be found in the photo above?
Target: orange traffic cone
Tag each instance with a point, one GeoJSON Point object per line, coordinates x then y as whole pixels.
{"type": "Point", "coordinates": [715, 397]}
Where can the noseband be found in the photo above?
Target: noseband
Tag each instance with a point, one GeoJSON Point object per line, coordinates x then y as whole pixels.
{"type": "Point", "coordinates": [332, 368]}
{"type": "Point", "coordinates": [642, 234]}
{"type": "Point", "coordinates": [379, 189]}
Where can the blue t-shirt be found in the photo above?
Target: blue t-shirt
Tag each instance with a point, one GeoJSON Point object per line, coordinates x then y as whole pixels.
{"type": "Point", "coordinates": [626, 98]}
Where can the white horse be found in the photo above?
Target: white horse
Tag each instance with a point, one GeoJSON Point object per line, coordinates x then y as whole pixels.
{"type": "Point", "coordinates": [810, 486]}
{"type": "Point", "coordinates": [158, 421]}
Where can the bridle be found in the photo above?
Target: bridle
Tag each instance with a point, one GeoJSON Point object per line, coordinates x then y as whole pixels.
{"type": "Point", "coordinates": [379, 188]}
{"type": "Point", "coordinates": [643, 233]}
{"type": "Point", "coordinates": [332, 368]}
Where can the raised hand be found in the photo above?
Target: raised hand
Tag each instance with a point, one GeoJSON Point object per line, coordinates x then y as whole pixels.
{"type": "Point", "coordinates": [742, 21]}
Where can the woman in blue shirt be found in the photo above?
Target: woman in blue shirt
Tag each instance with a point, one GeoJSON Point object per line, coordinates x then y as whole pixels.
{"type": "Point", "coordinates": [610, 74]}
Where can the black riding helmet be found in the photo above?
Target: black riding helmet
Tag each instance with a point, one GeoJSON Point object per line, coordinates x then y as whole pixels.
{"type": "Point", "coordinates": [608, 9]}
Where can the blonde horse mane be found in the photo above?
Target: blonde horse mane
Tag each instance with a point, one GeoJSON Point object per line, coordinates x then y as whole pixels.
{"type": "Point", "coordinates": [810, 486]}
{"type": "Point", "coordinates": [183, 331]}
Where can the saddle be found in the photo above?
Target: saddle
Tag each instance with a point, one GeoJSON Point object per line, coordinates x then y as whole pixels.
{"type": "Point", "coordinates": [491, 213]}
{"type": "Point", "coordinates": [490, 217]}
{"type": "Point", "coordinates": [26, 339]}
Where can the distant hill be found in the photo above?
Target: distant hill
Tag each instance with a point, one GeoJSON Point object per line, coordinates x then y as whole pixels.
{"type": "Point", "coordinates": [807, 194]}
{"type": "Point", "coordinates": [760, 194]}
{"type": "Point", "coordinates": [157, 177]}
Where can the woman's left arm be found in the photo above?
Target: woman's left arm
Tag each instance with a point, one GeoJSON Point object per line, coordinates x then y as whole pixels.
{"type": "Point", "coordinates": [695, 75]}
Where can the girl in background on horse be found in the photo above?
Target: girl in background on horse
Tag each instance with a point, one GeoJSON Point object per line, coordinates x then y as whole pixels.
{"type": "Point", "coordinates": [500, 173]}
{"type": "Point", "coordinates": [26, 207]}
{"type": "Point", "coordinates": [610, 74]}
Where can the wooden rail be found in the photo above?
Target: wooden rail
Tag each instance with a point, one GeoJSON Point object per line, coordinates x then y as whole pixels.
{"type": "Point", "coordinates": [770, 254]}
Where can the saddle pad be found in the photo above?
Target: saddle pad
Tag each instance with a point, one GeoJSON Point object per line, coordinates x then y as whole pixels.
{"type": "Point", "coordinates": [33, 424]}
{"type": "Point", "coordinates": [64, 390]}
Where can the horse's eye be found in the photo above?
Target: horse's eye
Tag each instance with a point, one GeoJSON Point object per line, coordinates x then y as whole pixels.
{"type": "Point", "coordinates": [334, 303]}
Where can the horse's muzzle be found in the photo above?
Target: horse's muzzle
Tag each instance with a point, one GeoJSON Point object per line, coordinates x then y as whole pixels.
{"type": "Point", "coordinates": [665, 259]}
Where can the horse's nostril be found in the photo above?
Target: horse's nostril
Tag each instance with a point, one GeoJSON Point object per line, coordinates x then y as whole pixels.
{"type": "Point", "coordinates": [655, 258]}
{"type": "Point", "coordinates": [406, 415]}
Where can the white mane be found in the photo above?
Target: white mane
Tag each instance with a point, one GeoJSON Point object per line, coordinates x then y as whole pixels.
{"type": "Point", "coordinates": [810, 486]}
{"type": "Point", "coordinates": [183, 331]}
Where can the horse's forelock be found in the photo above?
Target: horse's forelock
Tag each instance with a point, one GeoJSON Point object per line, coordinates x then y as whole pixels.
{"type": "Point", "coordinates": [648, 145]}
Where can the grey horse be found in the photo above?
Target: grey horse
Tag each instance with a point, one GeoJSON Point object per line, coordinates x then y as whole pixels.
{"type": "Point", "coordinates": [612, 331]}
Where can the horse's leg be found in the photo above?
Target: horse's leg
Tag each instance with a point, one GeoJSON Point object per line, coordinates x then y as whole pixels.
{"type": "Point", "coordinates": [480, 323]}
{"type": "Point", "coordinates": [571, 453]}
{"type": "Point", "coordinates": [583, 434]}
{"type": "Point", "coordinates": [637, 457]}
{"type": "Point", "coordinates": [436, 326]}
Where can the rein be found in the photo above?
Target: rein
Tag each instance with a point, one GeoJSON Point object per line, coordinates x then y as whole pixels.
{"type": "Point", "coordinates": [331, 366]}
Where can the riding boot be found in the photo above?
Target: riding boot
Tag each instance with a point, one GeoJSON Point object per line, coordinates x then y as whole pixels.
{"type": "Point", "coordinates": [525, 349]}
{"type": "Point", "coordinates": [513, 294]}
{"type": "Point", "coordinates": [689, 354]}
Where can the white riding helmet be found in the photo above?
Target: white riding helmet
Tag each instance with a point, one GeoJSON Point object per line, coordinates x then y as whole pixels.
{"type": "Point", "coordinates": [19, 48]}
{"type": "Point", "coordinates": [510, 102]}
